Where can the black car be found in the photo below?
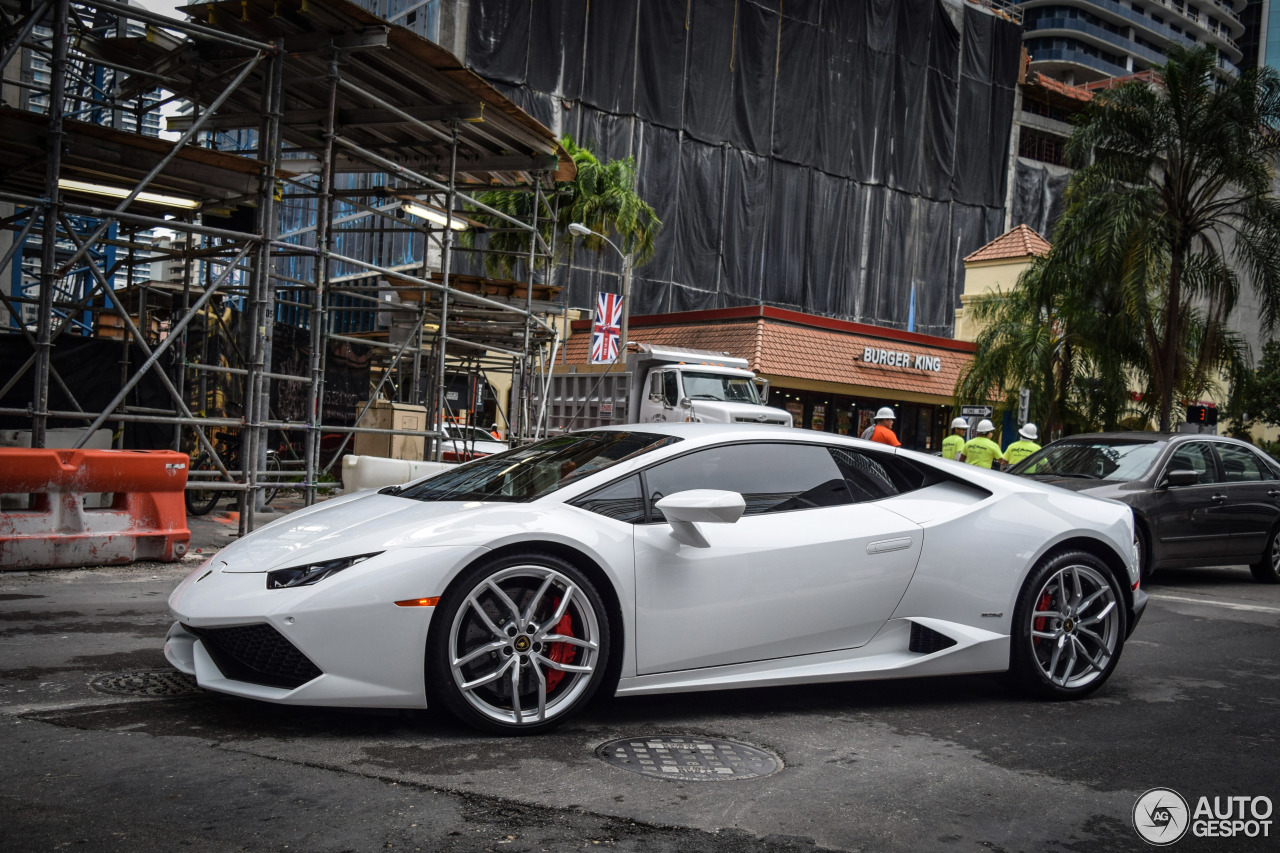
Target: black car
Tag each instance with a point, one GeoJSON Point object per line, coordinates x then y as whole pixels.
{"type": "Point", "coordinates": [1198, 500]}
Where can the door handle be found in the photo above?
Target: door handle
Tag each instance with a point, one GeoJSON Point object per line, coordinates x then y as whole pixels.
{"type": "Point", "coordinates": [886, 545]}
{"type": "Point", "coordinates": [1218, 499]}
{"type": "Point", "coordinates": [1273, 493]}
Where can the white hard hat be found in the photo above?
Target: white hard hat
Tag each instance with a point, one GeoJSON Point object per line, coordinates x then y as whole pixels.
{"type": "Point", "coordinates": [959, 423]}
{"type": "Point", "coordinates": [885, 413]}
{"type": "Point", "coordinates": [1029, 431]}
{"type": "Point", "coordinates": [985, 425]}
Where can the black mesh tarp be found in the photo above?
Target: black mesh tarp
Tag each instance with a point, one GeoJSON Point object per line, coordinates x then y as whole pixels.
{"type": "Point", "coordinates": [839, 157]}
{"type": "Point", "coordinates": [1038, 190]}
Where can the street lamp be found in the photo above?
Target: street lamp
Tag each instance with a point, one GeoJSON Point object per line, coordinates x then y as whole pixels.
{"type": "Point", "coordinates": [581, 230]}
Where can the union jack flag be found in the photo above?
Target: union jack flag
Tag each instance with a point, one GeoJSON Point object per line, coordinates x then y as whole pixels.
{"type": "Point", "coordinates": [606, 328]}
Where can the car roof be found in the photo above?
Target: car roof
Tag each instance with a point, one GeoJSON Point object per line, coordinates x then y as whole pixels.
{"type": "Point", "coordinates": [724, 431]}
{"type": "Point", "coordinates": [1150, 437]}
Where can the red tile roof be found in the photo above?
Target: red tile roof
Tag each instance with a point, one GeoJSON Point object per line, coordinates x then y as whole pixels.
{"type": "Point", "coordinates": [790, 350]}
{"type": "Point", "coordinates": [1021, 242]}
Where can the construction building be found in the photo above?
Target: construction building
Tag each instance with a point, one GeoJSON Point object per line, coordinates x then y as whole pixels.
{"type": "Point", "coordinates": [283, 270]}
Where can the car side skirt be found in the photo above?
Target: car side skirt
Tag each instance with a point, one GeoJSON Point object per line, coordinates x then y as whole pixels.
{"type": "Point", "coordinates": [887, 655]}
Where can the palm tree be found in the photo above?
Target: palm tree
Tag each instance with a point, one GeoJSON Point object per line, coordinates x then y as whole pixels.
{"type": "Point", "coordinates": [1064, 342]}
{"type": "Point", "coordinates": [601, 196]}
{"type": "Point", "coordinates": [1172, 200]}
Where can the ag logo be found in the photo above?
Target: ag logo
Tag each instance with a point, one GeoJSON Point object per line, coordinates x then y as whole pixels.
{"type": "Point", "coordinates": [1161, 816]}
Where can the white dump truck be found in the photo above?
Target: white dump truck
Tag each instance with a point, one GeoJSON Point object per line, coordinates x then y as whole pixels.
{"type": "Point", "coordinates": [660, 384]}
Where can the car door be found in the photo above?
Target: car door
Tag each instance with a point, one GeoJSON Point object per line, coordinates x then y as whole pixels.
{"type": "Point", "coordinates": [811, 566]}
{"type": "Point", "coordinates": [1191, 523]}
{"type": "Point", "coordinates": [1253, 499]}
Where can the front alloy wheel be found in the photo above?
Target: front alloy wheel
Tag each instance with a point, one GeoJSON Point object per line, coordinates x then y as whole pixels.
{"type": "Point", "coordinates": [1069, 627]}
{"type": "Point", "coordinates": [526, 645]}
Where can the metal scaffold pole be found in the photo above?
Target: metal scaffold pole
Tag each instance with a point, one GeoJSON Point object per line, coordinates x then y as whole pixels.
{"type": "Point", "coordinates": [319, 316]}
{"type": "Point", "coordinates": [49, 239]}
{"type": "Point", "coordinates": [253, 448]}
{"type": "Point", "coordinates": [446, 259]}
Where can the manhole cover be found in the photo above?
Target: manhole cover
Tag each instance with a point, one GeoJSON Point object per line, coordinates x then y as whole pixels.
{"type": "Point", "coordinates": [692, 759]}
{"type": "Point", "coordinates": [156, 682]}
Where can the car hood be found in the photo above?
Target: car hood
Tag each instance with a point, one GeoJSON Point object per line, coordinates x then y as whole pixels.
{"type": "Point", "coordinates": [732, 411]}
{"type": "Point", "coordinates": [362, 524]}
{"type": "Point", "coordinates": [1083, 485]}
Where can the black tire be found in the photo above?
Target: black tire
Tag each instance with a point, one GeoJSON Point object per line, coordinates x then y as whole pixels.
{"type": "Point", "coordinates": [477, 639]}
{"type": "Point", "coordinates": [1073, 646]}
{"type": "Point", "coordinates": [200, 501]}
{"type": "Point", "coordinates": [273, 476]}
{"type": "Point", "coordinates": [1267, 569]}
{"type": "Point", "coordinates": [1142, 539]}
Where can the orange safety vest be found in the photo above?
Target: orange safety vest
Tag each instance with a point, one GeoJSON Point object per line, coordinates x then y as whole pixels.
{"type": "Point", "coordinates": [884, 435]}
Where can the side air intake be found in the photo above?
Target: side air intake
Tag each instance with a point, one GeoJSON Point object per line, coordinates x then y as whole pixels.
{"type": "Point", "coordinates": [926, 641]}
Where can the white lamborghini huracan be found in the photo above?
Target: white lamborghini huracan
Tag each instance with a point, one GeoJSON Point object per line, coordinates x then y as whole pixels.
{"type": "Point", "coordinates": [661, 558]}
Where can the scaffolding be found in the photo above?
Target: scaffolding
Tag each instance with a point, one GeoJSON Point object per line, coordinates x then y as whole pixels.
{"type": "Point", "coordinates": [324, 164]}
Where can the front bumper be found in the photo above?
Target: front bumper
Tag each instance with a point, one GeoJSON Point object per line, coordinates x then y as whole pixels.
{"type": "Point", "coordinates": [341, 642]}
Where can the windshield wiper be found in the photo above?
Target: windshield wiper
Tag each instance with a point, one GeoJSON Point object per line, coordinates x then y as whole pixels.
{"type": "Point", "coordinates": [1069, 474]}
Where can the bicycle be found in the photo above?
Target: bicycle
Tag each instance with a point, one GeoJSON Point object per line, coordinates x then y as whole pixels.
{"type": "Point", "coordinates": [201, 501]}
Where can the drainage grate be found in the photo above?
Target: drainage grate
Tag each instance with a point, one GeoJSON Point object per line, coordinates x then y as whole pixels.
{"type": "Point", "coordinates": [154, 682]}
{"type": "Point", "coordinates": [688, 759]}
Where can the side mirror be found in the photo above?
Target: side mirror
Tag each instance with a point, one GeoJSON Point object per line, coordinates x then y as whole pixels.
{"type": "Point", "coordinates": [763, 389]}
{"type": "Point", "coordinates": [1181, 478]}
{"type": "Point", "coordinates": [684, 510]}
{"type": "Point", "coordinates": [686, 403]}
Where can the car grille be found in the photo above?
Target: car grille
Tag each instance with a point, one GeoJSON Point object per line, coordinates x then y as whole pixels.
{"type": "Point", "coordinates": [258, 654]}
{"type": "Point", "coordinates": [747, 419]}
{"type": "Point", "coordinates": [926, 641]}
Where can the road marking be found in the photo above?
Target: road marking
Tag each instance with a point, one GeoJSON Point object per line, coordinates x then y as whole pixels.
{"type": "Point", "coordinates": [1230, 605]}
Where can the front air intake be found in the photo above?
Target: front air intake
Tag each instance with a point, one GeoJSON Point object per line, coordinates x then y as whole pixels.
{"type": "Point", "coordinates": [926, 641]}
{"type": "Point", "coordinates": [257, 654]}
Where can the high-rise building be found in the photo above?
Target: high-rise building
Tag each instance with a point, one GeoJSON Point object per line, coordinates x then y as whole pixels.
{"type": "Point", "coordinates": [1267, 32]}
{"type": "Point", "coordinates": [1082, 41]}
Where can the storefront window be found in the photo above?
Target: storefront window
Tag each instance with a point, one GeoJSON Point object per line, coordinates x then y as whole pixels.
{"type": "Point", "coordinates": [818, 420]}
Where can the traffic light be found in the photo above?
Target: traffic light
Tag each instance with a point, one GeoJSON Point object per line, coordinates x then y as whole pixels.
{"type": "Point", "coordinates": [1203, 415]}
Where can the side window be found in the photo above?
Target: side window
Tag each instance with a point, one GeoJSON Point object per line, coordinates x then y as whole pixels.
{"type": "Point", "coordinates": [872, 476]}
{"type": "Point", "coordinates": [1195, 456]}
{"type": "Point", "coordinates": [670, 388]}
{"type": "Point", "coordinates": [1242, 466]}
{"type": "Point", "coordinates": [770, 477]}
{"type": "Point", "coordinates": [621, 500]}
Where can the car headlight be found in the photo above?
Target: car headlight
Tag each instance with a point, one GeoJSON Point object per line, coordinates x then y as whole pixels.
{"type": "Point", "coordinates": [312, 572]}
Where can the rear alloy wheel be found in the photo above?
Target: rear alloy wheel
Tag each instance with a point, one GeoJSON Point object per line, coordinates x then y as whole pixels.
{"type": "Point", "coordinates": [1267, 570]}
{"type": "Point", "coordinates": [1069, 627]}
{"type": "Point", "coordinates": [521, 645]}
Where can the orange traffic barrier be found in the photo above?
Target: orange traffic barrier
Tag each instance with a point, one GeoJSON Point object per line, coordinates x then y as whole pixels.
{"type": "Point", "coordinates": [147, 519]}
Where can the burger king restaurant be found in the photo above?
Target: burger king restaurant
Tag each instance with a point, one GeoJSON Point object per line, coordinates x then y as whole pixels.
{"type": "Point", "coordinates": [832, 375]}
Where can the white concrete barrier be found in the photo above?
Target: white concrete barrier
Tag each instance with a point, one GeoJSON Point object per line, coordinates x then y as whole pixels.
{"type": "Point", "coordinates": [374, 472]}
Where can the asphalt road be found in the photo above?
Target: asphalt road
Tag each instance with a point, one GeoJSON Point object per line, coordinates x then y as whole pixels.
{"type": "Point", "coordinates": [933, 764]}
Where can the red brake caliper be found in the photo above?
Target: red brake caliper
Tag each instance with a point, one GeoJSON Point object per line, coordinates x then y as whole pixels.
{"type": "Point", "coordinates": [1045, 602]}
{"type": "Point", "coordinates": [560, 652]}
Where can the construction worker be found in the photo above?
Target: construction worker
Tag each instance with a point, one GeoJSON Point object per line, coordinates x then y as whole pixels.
{"type": "Point", "coordinates": [954, 443]}
{"type": "Point", "coordinates": [981, 450]}
{"type": "Point", "coordinates": [882, 431]}
{"type": "Point", "coordinates": [1019, 450]}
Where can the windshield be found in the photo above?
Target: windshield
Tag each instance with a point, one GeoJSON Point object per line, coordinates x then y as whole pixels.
{"type": "Point", "coordinates": [1101, 460]}
{"type": "Point", "coordinates": [530, 472]}
{"type": "Point", "coordinates": [718, 386]}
